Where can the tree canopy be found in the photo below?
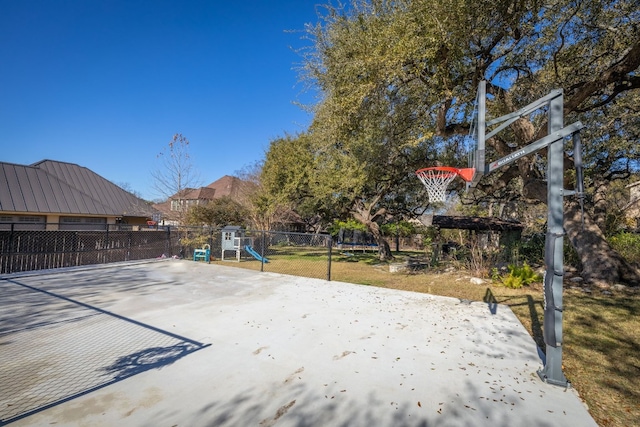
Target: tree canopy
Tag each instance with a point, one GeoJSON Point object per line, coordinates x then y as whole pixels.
{"type": "Point", "coordinates": [218, 213]}
{"type": "Point", "coordinates": [398, 79]}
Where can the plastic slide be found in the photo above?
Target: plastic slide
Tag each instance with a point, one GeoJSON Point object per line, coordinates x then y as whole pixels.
{"type": "Point", "coordinates": [255, 254]}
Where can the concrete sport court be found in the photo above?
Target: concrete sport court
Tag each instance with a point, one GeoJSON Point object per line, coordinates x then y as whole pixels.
{"type": "Point", "coordinates": [180, 343]}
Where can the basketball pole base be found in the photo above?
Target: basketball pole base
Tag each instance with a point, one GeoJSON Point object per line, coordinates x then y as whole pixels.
{"type": "Point", "coordinates": [552, 371]}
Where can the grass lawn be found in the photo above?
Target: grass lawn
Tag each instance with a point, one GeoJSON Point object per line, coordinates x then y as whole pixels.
{"type": "Point", "coordinates": [601, 351]}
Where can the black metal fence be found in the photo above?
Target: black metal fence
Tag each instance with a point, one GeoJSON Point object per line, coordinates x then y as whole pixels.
{"type": "Point", "coordinates": [26, 250]}
{"type": "Point", "coordinates": [301, 254]}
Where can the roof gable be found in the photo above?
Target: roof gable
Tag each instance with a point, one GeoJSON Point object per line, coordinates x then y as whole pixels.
{"type": "Point", "coordinates": [29, 189]}
{"type": "Point", "coordinates": [119, 201]}
{"type": "Point", "coordinates": [226, 186]}
{"type": "Point", "coordinates": [57, 187]}
{"type": "Point", "coordinates": [202, 193]}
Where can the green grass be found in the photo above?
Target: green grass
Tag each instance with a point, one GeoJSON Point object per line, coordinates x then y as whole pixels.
{"type": "Point", "coordinates": [601, 352]}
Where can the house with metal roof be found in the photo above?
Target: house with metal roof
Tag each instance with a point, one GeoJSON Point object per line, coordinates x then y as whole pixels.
{"type": "Point", "coordinates": [57, 195]}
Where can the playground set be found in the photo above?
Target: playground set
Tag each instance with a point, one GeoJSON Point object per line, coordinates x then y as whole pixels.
{"type": "Point", "coordinates": [233, 239]}
{"type": "Point", "coordinates": [437, 179]}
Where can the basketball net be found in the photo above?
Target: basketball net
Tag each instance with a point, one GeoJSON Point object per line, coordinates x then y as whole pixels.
{"type": "Point", "coordinates": [436, 180]}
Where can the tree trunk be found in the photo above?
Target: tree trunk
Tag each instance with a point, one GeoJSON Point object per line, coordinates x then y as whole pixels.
{"type": "Point", "coordinates": [362, 213]}
{"type": "Point", "coordinates": [600, 204]}
{"type": "Point", "coordinates": [601, 265]}
{"type": "Point", "coordinates": [384, 250]}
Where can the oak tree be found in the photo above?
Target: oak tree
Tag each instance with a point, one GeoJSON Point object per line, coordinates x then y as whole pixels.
{"type": "Point", "coordinates": [398, 80]}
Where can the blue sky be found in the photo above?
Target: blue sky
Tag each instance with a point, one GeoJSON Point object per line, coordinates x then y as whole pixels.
{"type": "Point", "coordinates": [106, 84]}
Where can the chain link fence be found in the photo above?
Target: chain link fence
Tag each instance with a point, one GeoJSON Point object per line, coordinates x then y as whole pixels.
{"type": "Point", "coordinates": [27, 250]}
{"type": "Point", "coordinates": [300, 254]}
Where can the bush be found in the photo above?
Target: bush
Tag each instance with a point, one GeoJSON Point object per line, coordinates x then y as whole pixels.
{"type": "Point", "coordinates": [627, 245]}
{"type": "Point", "coordinates": [520, 276]}
{"type": "Point", "coordinates": [531, 248]}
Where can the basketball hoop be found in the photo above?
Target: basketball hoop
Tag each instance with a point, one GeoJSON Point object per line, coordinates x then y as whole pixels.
{"type": "Point", "coordinates": [437, 179]}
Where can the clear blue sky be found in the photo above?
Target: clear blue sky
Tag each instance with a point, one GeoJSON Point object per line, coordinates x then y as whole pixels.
{"type": "Point", "coordinates": [107, 83]}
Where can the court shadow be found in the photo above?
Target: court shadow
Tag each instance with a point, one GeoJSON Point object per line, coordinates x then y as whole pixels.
{"type": "Point", "coordinates": [100, 348]}
{"type": "Point", "coordinates": [149, 358]}
{"type": "Point", "coordinates": [534, 315]}
{"type": "Point", "coordinates": [491, 301]}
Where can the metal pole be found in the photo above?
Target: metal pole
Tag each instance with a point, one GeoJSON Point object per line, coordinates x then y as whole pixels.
{"type": "Point", "coordinates": [482, 112]}
{"type": "Point", "coordinates": [106, 248]}
{"type": "Point", "coordinates": [12, 248]}
{"type": "Point", "coordinates": [554, 252]}
{"type": "Point", "coordinates": [479, 161]}
{"type": "Point", "coordinates": [168, 243]}
{"type": "Point", "coordinates": [329, 262]}
{"type": "Point", "coordinates": [262, 251]}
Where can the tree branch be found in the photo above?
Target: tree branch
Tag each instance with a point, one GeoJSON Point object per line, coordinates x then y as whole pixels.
{"type": "Point", "coordinates": [618, 73]}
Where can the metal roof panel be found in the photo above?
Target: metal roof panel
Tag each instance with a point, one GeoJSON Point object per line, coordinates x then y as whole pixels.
{"type": "Point", "coordinates": [112, 198]}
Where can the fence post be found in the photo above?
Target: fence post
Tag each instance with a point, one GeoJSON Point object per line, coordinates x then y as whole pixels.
{"type": "Point", "coordinates": [128, 246]}
{"type": "Point", "coordinates": [11, 249]}
{"type": "Point", "coordinates": [76, 249]}
{"type": "Point", "coordinates": [329, 260]}
{"type": "Point", "coordinates": [168, 246]}
{"type": "Point", "coordinates": [106, 253]}
{"type": "Point", "coordinates": [262, 251]}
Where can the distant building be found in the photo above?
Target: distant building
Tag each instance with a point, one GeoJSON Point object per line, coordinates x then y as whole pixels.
{"type": "Point", "coordinates": [228, 186]}
{"type": "Point", "coordinates": [180, 202]}
{"type": "Point", "coordinates": [53, 195]}
{"type": "Point", "coordinates": [189, 197]}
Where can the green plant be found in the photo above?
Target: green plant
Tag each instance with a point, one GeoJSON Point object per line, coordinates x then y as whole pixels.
{"type": "Point", "coordinates": [350, 224]}
{"type": "Point", "coordinates": [400, 228]}
{"type": "Point", "coordinates": [512, 282]}
{"type": "Point", "coordinates": [194, 242]}
{"type": "Point", "coordinates": [495, 274]}
{"type": "Point", "coordinates": [520, 276]}
{"type": "Point", "coordinates": [531, 248]}
{"type": "Point", "coordinates": [627, 245]}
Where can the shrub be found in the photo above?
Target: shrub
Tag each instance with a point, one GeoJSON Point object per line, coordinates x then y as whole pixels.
{"type": "Point", "coordinates": [627, 245]}
{"type": "Point", "coordinates": [531, 248]}
{"type": "Point", "coordinates": [520, 276]}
